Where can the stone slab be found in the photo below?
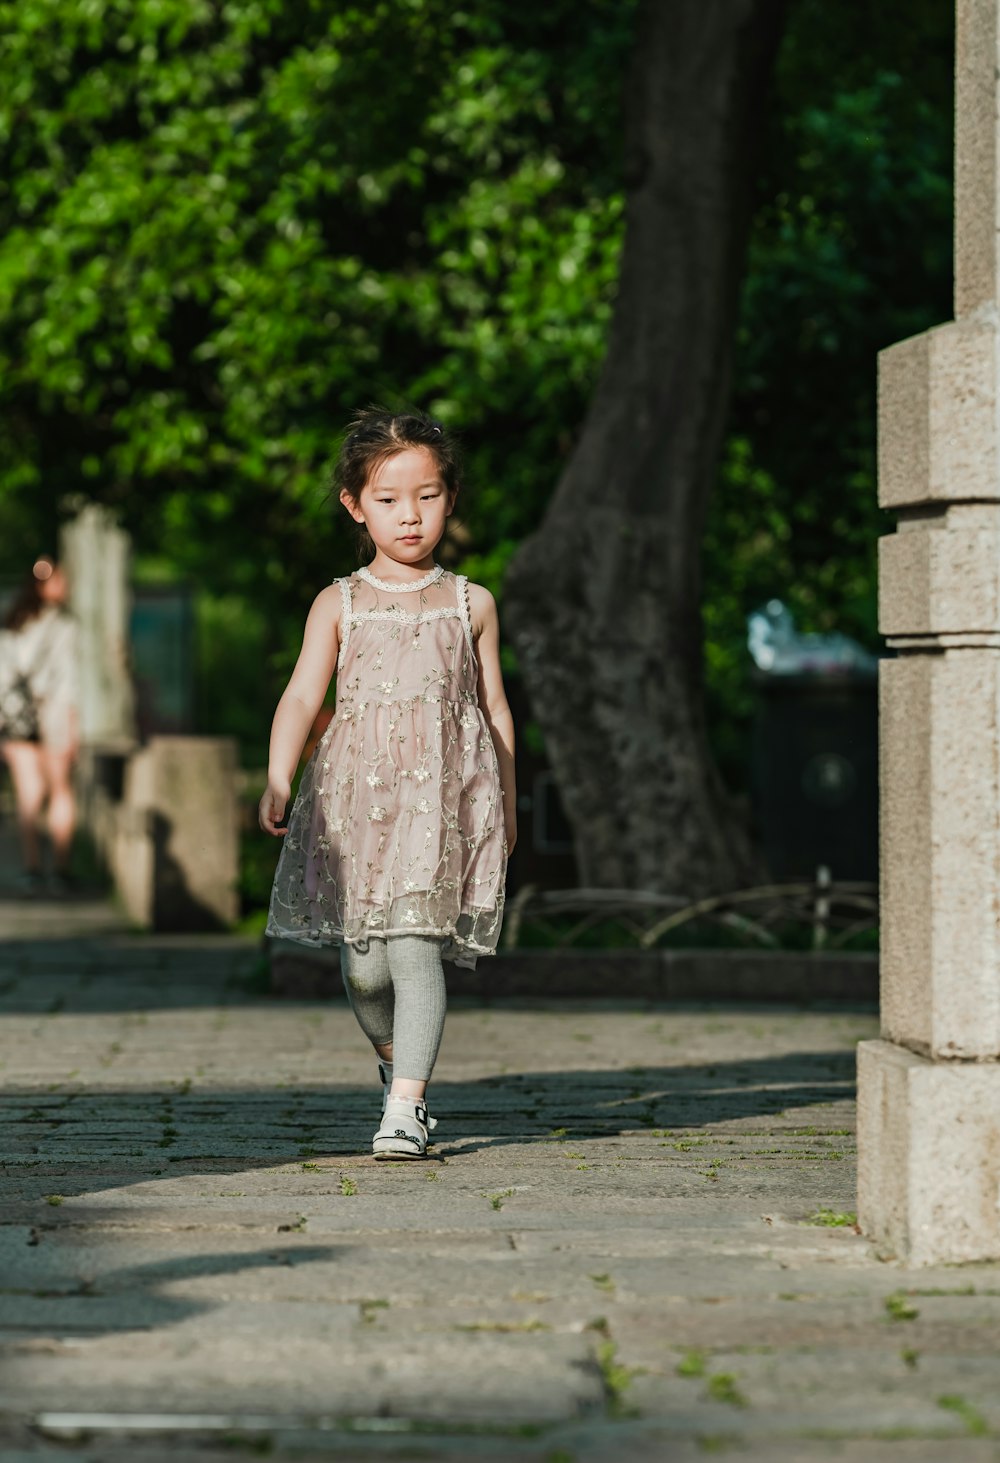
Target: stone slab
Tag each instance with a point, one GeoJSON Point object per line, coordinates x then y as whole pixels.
{"type": "Point", "coordinates": [929, 1155]}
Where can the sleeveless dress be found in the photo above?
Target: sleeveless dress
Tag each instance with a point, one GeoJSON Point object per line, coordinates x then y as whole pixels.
{"type": "Point", "coordinates": [398, 824]}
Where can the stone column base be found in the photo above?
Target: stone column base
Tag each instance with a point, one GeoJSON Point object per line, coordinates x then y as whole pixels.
{"type": "Point", "coordinates": [928, 1156]}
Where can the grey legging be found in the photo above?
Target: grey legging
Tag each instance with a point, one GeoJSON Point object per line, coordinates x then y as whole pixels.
{"type": "Point", "coordinates": [396, 989]}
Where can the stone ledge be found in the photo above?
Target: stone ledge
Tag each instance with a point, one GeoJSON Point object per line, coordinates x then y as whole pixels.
{"type": "Point", "coordinates": [783, 976]}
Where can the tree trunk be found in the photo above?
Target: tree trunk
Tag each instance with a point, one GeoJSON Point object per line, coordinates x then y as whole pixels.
{"type": "Point", "coordinates": [602, 603]}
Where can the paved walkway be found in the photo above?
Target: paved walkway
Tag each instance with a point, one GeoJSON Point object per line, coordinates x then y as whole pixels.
{"type": "Point", "coordinates": [613, 1253]}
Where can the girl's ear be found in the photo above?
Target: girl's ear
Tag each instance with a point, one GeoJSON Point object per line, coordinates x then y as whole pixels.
{"type": "Point", "coordinates": [452, 499]}
{"type": "Point", "coordinates": [351, 506]}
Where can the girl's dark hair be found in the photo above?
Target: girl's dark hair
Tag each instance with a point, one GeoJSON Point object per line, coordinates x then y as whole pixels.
{"type": "Point", "coordinates": [375, 435]}
{"type": "Point", "coordinates": [28, 601]}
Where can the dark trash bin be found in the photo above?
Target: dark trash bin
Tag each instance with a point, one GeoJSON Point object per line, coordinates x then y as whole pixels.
{"type": "Point", "coordinates": [814, 757]}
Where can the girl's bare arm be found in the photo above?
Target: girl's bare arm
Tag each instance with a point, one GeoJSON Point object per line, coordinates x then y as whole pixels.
{"type": "Point", "coordinates": [300, 701]}
{"type": "Point", "coordinates": [493, 700]}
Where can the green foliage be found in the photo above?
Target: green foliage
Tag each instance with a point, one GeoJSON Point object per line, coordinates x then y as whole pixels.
{"type": "Point", "coordinates": [224, 227]}
{"type": "Point", "coordinates": [850, 250]}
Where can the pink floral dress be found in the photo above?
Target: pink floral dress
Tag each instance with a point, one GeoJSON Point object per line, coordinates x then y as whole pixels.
{"type": "Point", "coordinates": [398, 823]}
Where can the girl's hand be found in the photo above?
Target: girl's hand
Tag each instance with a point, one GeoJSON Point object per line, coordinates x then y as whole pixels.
{"type": "Point", "coordinates": [272, 808]}
{"type": "Point", "coordinates": [510, 833]}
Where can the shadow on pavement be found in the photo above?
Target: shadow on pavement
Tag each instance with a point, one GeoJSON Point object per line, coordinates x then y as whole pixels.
{"type": "Point", "coordinates": [82, 1141]}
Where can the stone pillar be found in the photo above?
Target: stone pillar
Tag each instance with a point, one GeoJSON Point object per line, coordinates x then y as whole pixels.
{"type": "Point", "coordinates": [173, 841]}
{"type": "Point", "coordinates": [929, 1090]}
{"type": "Point", "coordinates": [96, 553]}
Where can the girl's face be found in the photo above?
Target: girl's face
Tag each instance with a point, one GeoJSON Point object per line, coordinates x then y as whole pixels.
{"type": "Point", "coordinates": [404, 505]}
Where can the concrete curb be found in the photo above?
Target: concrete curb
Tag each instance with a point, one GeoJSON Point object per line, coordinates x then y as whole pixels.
{"type": "Point", "coordinates": [772, 976]}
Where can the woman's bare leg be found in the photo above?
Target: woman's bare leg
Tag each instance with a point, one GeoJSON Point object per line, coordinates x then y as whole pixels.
{"type": "Point", "coordinates": [58, 767]}
{"type": "Point", "coordinates": [28, 776]}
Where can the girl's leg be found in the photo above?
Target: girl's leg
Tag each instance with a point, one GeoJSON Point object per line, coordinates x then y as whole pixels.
{"type": "Point", "coordinates": [28, 776]}
{"type": "Point", "coordinates": [369, 989]}
{"type": "Point", "coordinates": [58, 767]}
{"type": "Point", "coordinates": [418, 982]}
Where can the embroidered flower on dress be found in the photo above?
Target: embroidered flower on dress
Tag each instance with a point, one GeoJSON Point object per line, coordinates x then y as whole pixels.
{"type": "Point", "coordinates": [423, 806]}
{"type": "Point", "coordinates": [421, 774]}
{"type": "Point", "coordinates": [386, 686]}
{"type": "Point", "coordinates": [375, 813]}
{"type": "Point", "coordinates": [411, 917]}
{"type": "Point", "coordinates": [373, 780]}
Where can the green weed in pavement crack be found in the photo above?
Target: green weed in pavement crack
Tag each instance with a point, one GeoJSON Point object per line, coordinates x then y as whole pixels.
{"type": "Point", "coordinates": [722, 1388]}
{"type": "Point", "coordinates": [617, 1378]}
{"type": "Point", "coordinates": [833, 1219]}
{"type": "Point", "coordinates": [692, 1364]}
{"type": "Point", "coordinates": [975, 1423]}
{"type": "Point", "coordinates": [898, 1308]}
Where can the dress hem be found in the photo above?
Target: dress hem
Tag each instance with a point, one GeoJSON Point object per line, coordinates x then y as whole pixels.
{"type": "Point", "coordinates": [454, 948]}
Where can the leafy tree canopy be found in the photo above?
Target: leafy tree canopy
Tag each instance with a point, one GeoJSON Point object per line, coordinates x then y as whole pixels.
{"type": "Point", "coordinates": [224, 225]}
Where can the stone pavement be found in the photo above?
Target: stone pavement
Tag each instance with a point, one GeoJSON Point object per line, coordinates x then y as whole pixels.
{"type": "Point", "coordinates": [613, 1253]}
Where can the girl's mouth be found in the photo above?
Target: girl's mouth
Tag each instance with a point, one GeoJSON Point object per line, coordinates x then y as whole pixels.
{"type": "Point", "coordinates": [411, 538]}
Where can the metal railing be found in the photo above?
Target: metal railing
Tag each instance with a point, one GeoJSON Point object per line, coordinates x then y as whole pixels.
{"type": "Point", "coordinates": [833, 911]}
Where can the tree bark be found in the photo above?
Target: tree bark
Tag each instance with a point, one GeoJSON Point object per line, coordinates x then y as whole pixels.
{"type": "Point", "coordinates": [603, 602]}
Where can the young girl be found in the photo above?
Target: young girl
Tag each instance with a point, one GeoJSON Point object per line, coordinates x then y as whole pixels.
{"type": "Point", "coordinates": [397, 845]}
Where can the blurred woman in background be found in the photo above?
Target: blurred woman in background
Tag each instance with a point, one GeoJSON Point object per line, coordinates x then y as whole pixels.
{"type": "Point", "coordinates": [39, 720]}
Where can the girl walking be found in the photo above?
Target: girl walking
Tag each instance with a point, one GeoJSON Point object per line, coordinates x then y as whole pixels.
{"type": "Point", "coordinates": [396, 847]}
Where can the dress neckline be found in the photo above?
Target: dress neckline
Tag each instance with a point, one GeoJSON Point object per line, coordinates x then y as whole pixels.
{"type": "Point", "coordinates": [431, 578]}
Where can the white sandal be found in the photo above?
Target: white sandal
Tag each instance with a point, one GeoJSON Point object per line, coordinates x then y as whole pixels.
{"type": "Point", "coordinates": [404, 1130]}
